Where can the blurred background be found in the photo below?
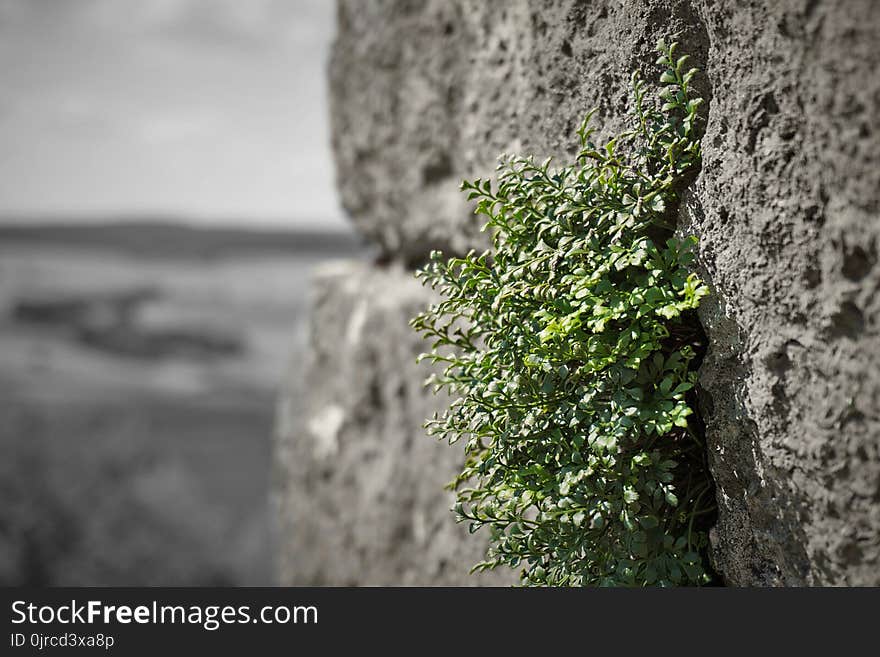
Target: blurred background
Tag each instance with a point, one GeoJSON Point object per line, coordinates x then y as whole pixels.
{"type": "Point", "coordinates": [165, 187]}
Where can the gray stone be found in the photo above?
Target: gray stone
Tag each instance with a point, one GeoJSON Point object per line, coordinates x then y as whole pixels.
{"type": "Point", "coordinates": [426, 93]}
{"type": "Point", "coordinates": [786, 209]}
{"type": "Point", "coordinates": [361, 486]}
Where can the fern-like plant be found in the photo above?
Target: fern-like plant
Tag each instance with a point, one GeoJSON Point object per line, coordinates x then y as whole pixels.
{"type": "Point", "coordinates": [569, 350]}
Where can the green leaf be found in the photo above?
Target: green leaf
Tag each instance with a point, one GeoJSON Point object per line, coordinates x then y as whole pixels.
{"type": "Point", "coordinates": [648, 522]}
{"type": "Point", "coordinates": [567, 352]}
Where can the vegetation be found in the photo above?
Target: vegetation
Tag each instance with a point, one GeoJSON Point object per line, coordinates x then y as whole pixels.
{"type": "Point", "coordinates": [570, 350]}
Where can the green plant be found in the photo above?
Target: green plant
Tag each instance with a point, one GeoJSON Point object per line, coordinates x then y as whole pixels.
{"type": "Point", "coordinates": [569, 348]}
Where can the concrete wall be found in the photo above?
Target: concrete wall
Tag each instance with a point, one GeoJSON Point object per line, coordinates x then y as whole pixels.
{"type": "Point", "coordinates": [786, 208]}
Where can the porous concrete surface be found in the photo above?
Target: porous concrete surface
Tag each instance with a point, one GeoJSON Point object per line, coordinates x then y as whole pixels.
{"type": "Point", "coordinates": [362, 487]}
{"type": "Point", "coordinates": [425, 93]}
{"type": "Point", "coordinates": [786, 209]}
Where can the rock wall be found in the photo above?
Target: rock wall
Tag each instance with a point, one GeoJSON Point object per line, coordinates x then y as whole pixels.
{"type": "Point", "coordinates": [425, 93]}
{"type": "Point", "coordinates": [362, 488]}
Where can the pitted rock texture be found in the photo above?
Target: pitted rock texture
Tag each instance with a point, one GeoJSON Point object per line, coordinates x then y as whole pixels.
{"type": "Point", "coordinates": [787, 209]}
{"type": "Point", "coordinates": [362, 497]}
{"type": "Point", "coordinates": [425, 93]}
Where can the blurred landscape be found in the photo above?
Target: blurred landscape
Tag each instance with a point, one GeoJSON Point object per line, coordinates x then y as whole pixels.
{"type": "Point", "coordinates": [139, 367]}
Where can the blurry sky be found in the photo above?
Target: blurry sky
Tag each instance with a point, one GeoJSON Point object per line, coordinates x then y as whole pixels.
{"type": "Point", "coordinates": [209, 109]}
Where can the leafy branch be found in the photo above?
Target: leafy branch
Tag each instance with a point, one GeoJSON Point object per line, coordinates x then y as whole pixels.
{"type": "Point", "coordinates": [570, 348]}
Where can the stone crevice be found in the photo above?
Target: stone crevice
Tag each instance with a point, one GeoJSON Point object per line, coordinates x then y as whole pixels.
{"type": "Point", "coordinates": [784, 206]}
